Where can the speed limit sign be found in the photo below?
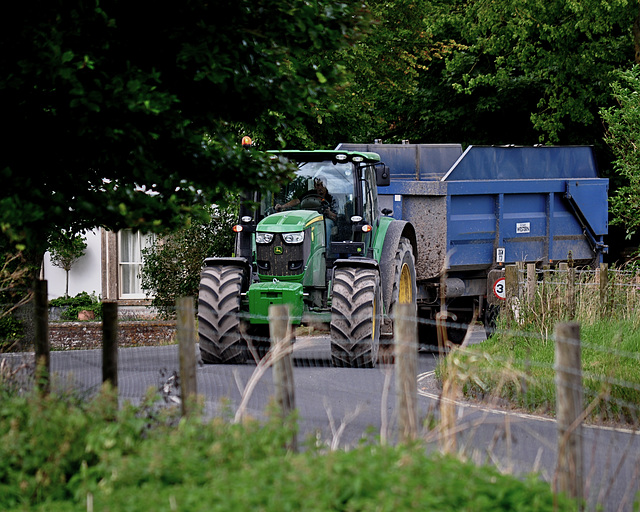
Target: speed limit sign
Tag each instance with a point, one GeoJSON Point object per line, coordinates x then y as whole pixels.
{"type": "Point", "coordinates": [499, 289]}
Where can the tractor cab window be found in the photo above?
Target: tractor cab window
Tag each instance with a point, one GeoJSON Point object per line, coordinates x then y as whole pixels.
{"type": "Point", "coordinates": [325, 187]}
{"type": "Point", "coordinates": [369, 194]}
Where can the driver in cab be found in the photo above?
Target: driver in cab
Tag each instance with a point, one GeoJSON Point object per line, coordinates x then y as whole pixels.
{"type": "Point", "coordinates": [328, 203]}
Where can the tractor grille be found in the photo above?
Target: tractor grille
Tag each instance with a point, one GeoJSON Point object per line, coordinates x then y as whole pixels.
{"type": "Point", "coordinates": [279, 258]}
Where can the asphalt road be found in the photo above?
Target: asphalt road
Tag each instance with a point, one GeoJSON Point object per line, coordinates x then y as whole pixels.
{"type": "Point", "coordinates": [338, 407]}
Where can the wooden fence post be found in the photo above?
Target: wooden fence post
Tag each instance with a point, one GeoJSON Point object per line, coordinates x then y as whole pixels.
{"type": "Point", "coordinates": [186, 336]}
{"type": "Point", "coordinates": [568, 300]}
{"type": "Point", "coordinates": [604, 288]}
{"type": "Point", "coordinates": [532, 282]}
{"type": "Point", "coordinates": [281, 343]}
{"type": "Point", "coordinates": [512, 291]}
{"type": "Point", "coordinates": [571, 291]}
{"type": "Point", "coordinates": [110, 343]}
{"type": "Point", "coordinates": [406, 363]}
{"type": "Point", "coordinates": [569, 470]}
{"type": "Point", "coordinates": [41, 341]}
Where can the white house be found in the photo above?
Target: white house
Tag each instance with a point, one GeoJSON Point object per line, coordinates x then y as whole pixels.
{"type": "Point", "coordinates": [109, 268]}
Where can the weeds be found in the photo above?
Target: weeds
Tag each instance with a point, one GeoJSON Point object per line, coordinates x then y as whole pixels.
{"type": "Point", "coordinates": [516, 364]}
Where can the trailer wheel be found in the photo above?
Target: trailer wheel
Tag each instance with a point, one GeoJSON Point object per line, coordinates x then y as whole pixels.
{"type": "Point", "coordinates": [491, 314]}
{"type": "Point", "coordinates": [356, 314]}
{"type": "Point", "coordinates": [219, 327]}
{"type": "Point", "coordinates": [461, 316]}
{"type": "Point", "coordinates": [404, 280]}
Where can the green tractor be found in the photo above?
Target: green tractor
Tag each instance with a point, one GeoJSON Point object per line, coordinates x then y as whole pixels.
{"type": "Point", "coordinates": [321, 246]}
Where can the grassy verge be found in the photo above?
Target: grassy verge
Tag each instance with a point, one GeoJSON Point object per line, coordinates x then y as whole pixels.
{"type": "Point", "coordinates": [517, 366]}
{"type": "Point", "coordinates": [61, 454]}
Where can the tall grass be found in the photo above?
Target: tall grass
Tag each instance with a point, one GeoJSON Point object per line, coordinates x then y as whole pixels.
{"type": "Point", "coordinates": [516, 364]}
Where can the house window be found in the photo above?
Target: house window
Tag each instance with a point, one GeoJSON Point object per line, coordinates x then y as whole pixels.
{"type": "Point", "coordinates": [130, 245]}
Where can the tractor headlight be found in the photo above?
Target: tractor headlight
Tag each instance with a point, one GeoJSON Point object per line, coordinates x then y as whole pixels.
{"type": "Point", "coordinates": [264, 238]}
{"type": "Point", "coordinates": [294, 238]}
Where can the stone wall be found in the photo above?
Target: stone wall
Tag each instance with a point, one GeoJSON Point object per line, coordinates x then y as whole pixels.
{"type": "Point", "coordinates": [83, 335]}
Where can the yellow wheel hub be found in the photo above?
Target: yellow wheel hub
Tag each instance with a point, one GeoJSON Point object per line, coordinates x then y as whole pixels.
{"type": "Point", "coordinates": [405, 292]}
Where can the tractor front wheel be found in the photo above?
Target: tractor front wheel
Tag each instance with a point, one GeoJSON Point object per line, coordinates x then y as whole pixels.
{"type": "Point", "coordinates": [356, 314]}
{"type": "Point", "coordinates": [219, 329]}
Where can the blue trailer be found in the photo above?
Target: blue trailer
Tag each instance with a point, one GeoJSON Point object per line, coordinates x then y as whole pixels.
{"type": "Point", "coordinates": [474, 212]}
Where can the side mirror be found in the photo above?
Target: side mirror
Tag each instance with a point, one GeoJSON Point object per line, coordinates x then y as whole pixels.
{"type": "Point", "coordinates": [383, 175]}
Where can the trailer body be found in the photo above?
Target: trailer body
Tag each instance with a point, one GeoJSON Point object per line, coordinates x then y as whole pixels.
{"type": "Point", "coordinates": [477, 210]}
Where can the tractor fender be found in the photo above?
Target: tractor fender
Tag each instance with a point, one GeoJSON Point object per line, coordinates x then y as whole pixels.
{"type": "Point", "coordinates": [397, 229]}
{"type": "Point", "coordinates": [356, 261]}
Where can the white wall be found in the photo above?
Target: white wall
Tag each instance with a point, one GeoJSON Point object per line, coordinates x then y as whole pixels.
{"type": "Point", "coordinates": [85, 274]}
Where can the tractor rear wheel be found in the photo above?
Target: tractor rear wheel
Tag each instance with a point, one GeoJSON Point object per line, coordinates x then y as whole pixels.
{"type": "Point", "coordinates": [404, 279]}
{"type": "Point", "coordinates": [356, 315]}
{"type": "Point", "coordinates": [219, 328]}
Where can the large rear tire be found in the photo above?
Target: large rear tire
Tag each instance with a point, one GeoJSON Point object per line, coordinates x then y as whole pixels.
{"type": "Point", "coordinates": [356, 315]}
{"type": "Point", "coordinates": [219, 327]}
{"type": "Point", "coordinates": [404, 279]}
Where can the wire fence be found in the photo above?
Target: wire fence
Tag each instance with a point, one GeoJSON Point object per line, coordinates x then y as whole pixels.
{"type": "Point", "coordinates": [496, 402]}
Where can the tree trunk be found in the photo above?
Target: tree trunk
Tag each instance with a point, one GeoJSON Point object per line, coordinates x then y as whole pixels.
{"type": "Point", "coordinates": [636, 38]}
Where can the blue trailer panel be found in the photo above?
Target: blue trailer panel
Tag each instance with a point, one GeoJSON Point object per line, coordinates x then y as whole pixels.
{"type": "Point", "coordinates": [495, 205]}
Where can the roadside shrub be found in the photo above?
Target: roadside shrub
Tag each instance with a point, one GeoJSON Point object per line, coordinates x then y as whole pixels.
{"type": "Point", "coordinates": [173, 264]}
{"type": "Point", "coordinates": [51, 446]}
{"type": "Point", "coordinates": [62, 454]}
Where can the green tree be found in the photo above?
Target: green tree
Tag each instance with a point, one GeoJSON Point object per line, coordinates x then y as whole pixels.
{"type": "Point", "coordinates": [557, 56]}
{"type": "Point", "coordinates": [171, 267]}
{"type": "Point", "coordinates": [126, 115]}
{"type": "Point", "coordinates": [623, 136]}
{"type": "Point", "coordinates": [14, 293]}
{"type": "Point", "coordinates": [66, 248]}
{"type": "Point", "coordinates": [480, 72]}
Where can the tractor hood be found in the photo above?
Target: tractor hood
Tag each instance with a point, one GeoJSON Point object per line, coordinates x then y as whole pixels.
{"type": "Point", "coordinates": [288, 222]}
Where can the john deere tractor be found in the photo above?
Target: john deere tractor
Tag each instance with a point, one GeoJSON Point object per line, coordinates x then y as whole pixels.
{"type": "Point", "coordinates": [320, 245]}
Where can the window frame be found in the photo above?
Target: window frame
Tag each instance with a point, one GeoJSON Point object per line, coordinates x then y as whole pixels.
{"type": "Point", "coordinates": [142, 241]}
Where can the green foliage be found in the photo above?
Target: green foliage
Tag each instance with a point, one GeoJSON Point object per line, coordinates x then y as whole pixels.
{"type": "Point", "coordinates": [11, 329]}
{"type": "Point", "coordinates": [139, 107]}
{"type": "Point", "coordinates": [57, 453]}
{"type": "Point", "coordinates": [14, 293]}
{"type": "Point", "coordinates": [81, 302]}
{"type": "Point", "coordinates": [172, 266]}
{"type": "Point", "coordinates": [623, 136]}
{"type": "Point", "coordinates": [66, 248]}
{"type": "Point", "coordinates": [49, 444]}
{"type": "Point", "coordinates": [478, 72]}
{"type": "Point", "coordinates": [561, 52]}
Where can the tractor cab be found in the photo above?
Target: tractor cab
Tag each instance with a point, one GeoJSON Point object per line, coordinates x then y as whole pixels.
{"type": "Point", "coordinates": [341, 187]}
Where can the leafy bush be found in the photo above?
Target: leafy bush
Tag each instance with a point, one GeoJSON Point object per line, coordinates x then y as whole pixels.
{"type": "Point", "coordinates": [81, 302]}
{"type": "Point", "coordinates": [15, 278]}
{"type": "Point", "coordinates": [172, 266]}
{"type": "Point", "coordinates": [57, 453]}
{"type": "Point", "coordinates": [11, 329]}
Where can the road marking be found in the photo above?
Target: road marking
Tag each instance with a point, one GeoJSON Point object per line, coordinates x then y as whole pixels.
{"type": "Point", "coordinates": [421, 377]}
